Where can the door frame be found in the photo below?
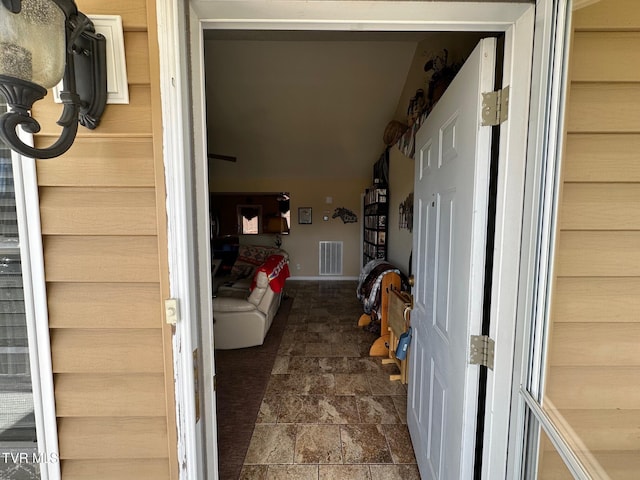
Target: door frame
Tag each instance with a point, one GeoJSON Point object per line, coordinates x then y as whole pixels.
{"type": "Point", "coordinates": [36, 310]}
{"type": "Point", "coordinates": [520, 143]}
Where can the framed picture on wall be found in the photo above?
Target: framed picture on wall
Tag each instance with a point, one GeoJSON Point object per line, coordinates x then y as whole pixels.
{"type": "Point", "coordinates": [304, 215]}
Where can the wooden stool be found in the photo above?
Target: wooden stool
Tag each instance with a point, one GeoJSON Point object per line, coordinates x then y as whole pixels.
{"type": "Point", "coordinates": [399, 312]}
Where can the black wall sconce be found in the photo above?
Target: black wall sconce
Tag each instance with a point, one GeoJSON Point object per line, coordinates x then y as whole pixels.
{"type": "Point", "coordinates": [41, 42]}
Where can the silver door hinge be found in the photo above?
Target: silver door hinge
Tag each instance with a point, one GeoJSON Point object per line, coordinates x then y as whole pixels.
{"type": "Point", "coordinates": [495, 107]}
{"type": "Point", "coordinates": [482, 351]}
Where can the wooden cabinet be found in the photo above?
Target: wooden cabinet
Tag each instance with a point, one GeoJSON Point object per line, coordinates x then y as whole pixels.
{"type": "Point", "coordinates": [376, 214]}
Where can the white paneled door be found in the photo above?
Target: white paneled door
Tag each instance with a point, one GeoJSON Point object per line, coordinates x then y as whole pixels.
{"type": "Point", "coordinates": [450, 228]}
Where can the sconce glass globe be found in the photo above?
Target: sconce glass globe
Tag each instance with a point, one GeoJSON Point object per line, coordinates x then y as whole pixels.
{"type": "Point", "coordinates": [32, 42]}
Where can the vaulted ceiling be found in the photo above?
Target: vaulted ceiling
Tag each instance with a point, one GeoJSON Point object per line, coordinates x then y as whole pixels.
{"type": "Point", "coordinates": [307, 105]}
{"type": "Point", "coordinates": [304, 104]}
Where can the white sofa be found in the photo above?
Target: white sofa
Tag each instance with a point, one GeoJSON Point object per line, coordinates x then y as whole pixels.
{"type": "Point", "coordinates": [242, 316]}
{"type": "Point", "coordinates": [249, 257]}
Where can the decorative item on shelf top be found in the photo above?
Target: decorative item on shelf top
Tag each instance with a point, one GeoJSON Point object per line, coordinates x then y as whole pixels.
{"type": "Point", "coordinates": [393, 132]}
{"type": "Point", "coordinates": [381, 169]}
{"type": "Point", "coordinates": [345, 214]}
{"type": "Point", "coordinates": [41, 43]}
{"type": "Point", "coordinates": [443, 74]}
{"type": "Point", "coordinates": [417, 105]}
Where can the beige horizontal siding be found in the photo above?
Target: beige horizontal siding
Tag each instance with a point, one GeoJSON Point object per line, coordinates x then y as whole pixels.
{"type": "Point", "coordinates": [604, 107]}
{"type": "Point", "coordinates": [601, 206]}
{"type": "Point", "coordinates": [116, 469]}
{"type": "Point", "coordinates": [571, 391]}
{"type": "Point", "coordinates": [594, 253]}
{"type": "Point", "coordinates": [606, 429]}
{"type": "Point", "coordinates": [112, 437]}
{"type": "Point", "coordinates": [107, 351]}
{"type": "Point", "coordinates": [132, 119]}
{"type": "Point", "coordinates": [602, 158]}
{"type": "Point", "coordinates": [98, 211]}
{"type": "Point", "coordinates": [606, 57]}
{"type": "Point", "coordinates": [595, 345]}
{"type": "Point", "coordinates": [617, 15]}
{"type": "Point", "coordinates": [102, 207]}
{"type": "Point", "coordinates": [133, 12]}
{"type": "Point", "coordinates": [101, 259]}
{"type": "Point", "coordinates": [596, 299]}
{"type": "Point", "coordinates": [104, 305]}
{"type": "Point", "coordinates": [593, 375]}
{"type": "Point", "coordinates": [137, 52]}
{"type": "Point", "coordinates": [109, 395]}
{"type": "Point", "coordinates": [619, 466]}
{"type": "Point", "coordinates": [102, 162]}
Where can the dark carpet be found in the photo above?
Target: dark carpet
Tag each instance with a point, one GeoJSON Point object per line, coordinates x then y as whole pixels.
{"type": "Point", "coordinates": [241, 381]}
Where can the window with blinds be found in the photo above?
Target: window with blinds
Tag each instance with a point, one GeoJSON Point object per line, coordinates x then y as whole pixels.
{"type": "Point", "coordinates": [17, 420]}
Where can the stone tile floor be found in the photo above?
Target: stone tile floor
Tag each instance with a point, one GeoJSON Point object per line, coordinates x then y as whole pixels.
{"type": "Point", "coordinates": [330, 411]}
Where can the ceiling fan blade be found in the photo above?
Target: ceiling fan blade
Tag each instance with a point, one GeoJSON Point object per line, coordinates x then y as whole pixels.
{"type": "Point", "coordinates": [217, 156]}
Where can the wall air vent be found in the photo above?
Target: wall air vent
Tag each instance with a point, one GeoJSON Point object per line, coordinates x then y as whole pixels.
{"type": "Point", "coordinates": [330, 258]}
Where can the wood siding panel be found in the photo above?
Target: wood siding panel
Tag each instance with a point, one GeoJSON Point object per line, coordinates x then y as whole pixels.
{"type": "Point", "coordinates": [591, 387]}
{"type": "Point", "coordinates": [98, 211]}
{"type": "Point", "coordinates": [133, 12]}
{"type": "Point", "coordinates": [132, 119]}
{"type": "Point", "coordinates": [606, 429]}
{"type": "Point", "coordinates": [104, 395]}
{"type": "Point", "coordinates": [115, 469]}
{"type": "Point", "coordinates": [103, 217]}
{"type": "Point", "coordinates": [596, 300]}
{"type": "Point", "coordinates": [101, 162]}
{"type": "Point", "coordinates": [104, 305]}
{"type": "Point", "coordinates": [95, 438]}
{"type": "Point", "coordinates": [602, 158]}
{"type": "Point", "coordinates": [595, 344]}
{"type": "Point", "coordinates": [593, 370]}
{"type": "Point", "coordinates": [136, 53]}
{"type": "Point", "coordinates": [593, 254]}
{"type": "Point", "coordinates": [106, 351]}
{"type": "Point", "coordinates": [606, 57]}
{"type": "Point", "coordinates": [617, 15]}
{"type": "Point", "coordinates": [604, 107]}
{"type": "Point", "coordinates": [619, 465]}
{"type": "Point", "coordinates": [601, 206]}
{"type": "Point", "coordinates": [101, 259]}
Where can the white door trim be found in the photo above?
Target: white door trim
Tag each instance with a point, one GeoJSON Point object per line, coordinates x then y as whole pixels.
{"type": "Point", "coordinates": [506, 266]}
{"type": "Point", "coordinates": [206, 357]}
{"type": "Point", "coordinates": [36, 310]}
{"type": "Point", "coordinates": [552, 39]}
{"type": "Point", "coordinates": [358, 15]}
{"type": "Point", "coordinates": [181, 232]}
{"type": "Point", "coordinates": [348, 15]}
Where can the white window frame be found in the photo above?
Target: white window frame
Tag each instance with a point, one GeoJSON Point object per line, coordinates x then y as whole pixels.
{"type": "Point", "coordinates": [37, 315]}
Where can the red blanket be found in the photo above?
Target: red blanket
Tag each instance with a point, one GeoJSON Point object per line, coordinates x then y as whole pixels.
{"type": "Point", "coordinates": [277, 269]}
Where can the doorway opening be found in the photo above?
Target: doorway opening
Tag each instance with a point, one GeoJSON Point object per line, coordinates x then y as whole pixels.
{"type": "Point", "coordinates": [269, 106]}
{"type": "Point", "coordinates": [514, 19]}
